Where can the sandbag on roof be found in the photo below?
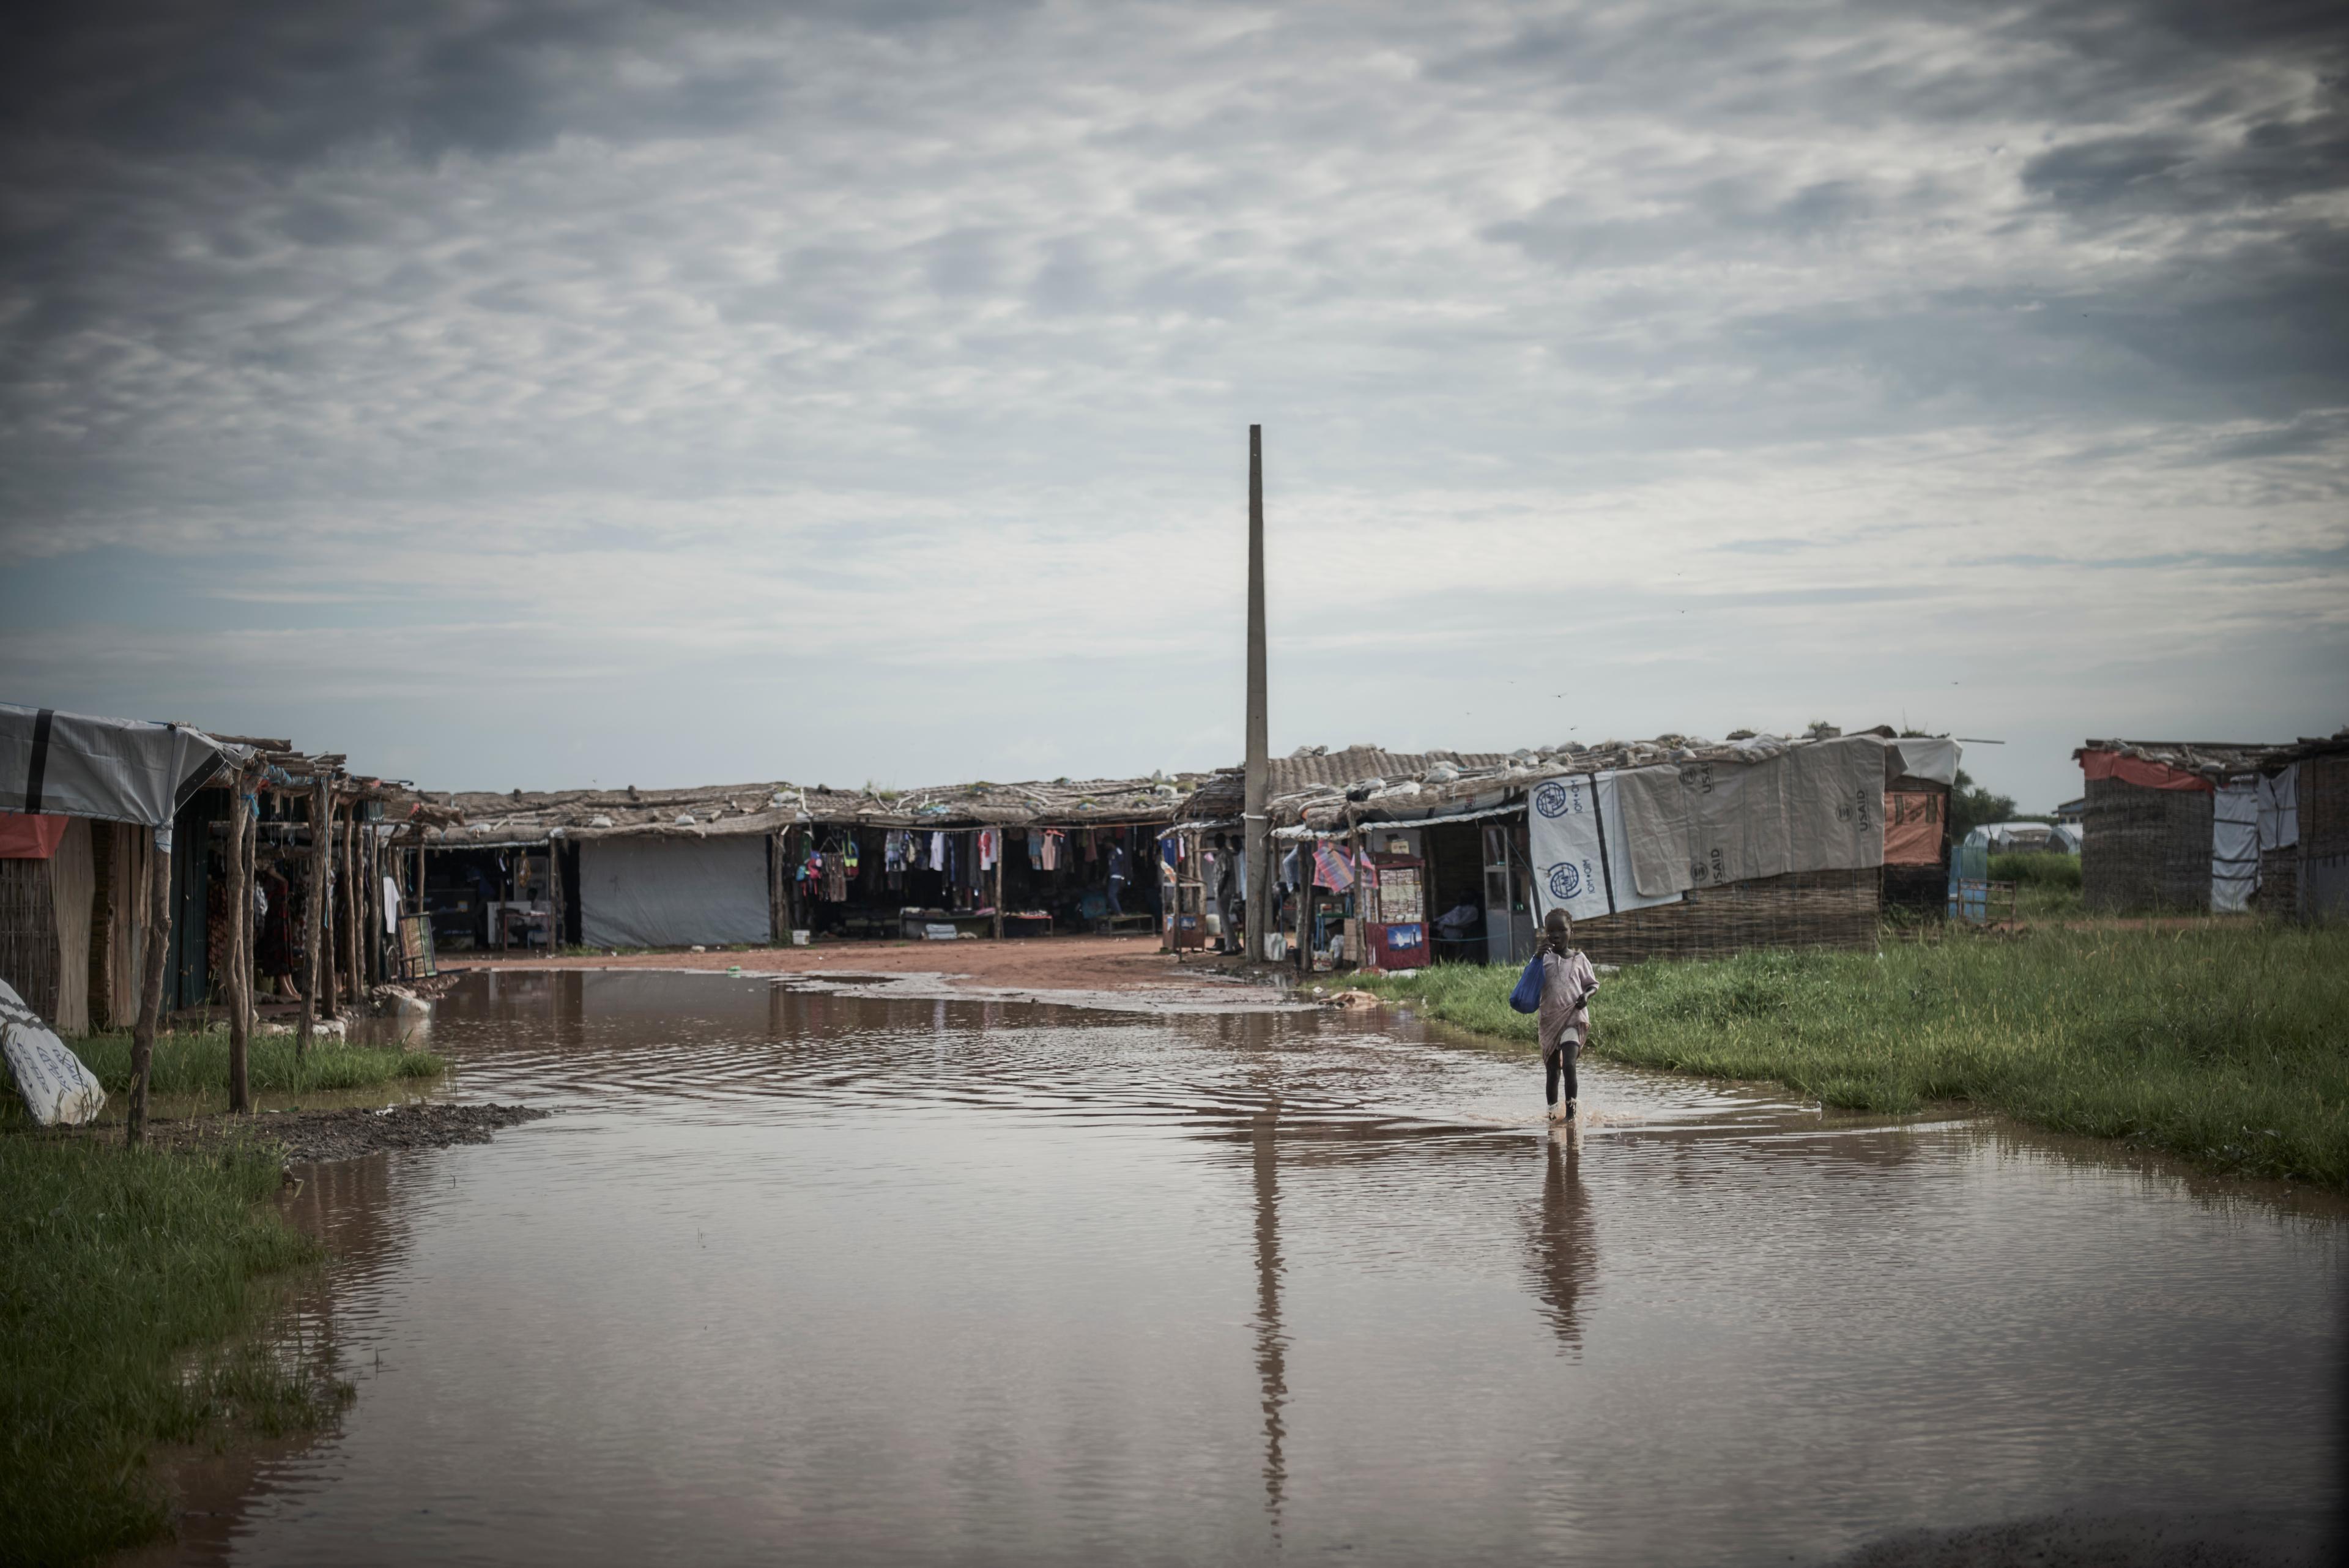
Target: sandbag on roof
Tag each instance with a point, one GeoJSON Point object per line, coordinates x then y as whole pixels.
{"type": "Point", "coordinates": [115, 770]}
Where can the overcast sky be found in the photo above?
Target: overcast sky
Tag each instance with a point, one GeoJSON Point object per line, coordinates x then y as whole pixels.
{"type": "Point", "coordinates": [523, 396]}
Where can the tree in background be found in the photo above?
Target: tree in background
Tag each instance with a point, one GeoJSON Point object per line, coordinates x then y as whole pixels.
{"type": "Point", "coordinates": [1971, 805]}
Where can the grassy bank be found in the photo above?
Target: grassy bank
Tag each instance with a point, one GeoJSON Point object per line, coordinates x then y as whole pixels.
{"type": "Point", "coordinates": [198, 1064]}
{"type": "Point", "coordinates": [123, 1272]}
{"type": "Point", "coordinates": [2223, 1043]}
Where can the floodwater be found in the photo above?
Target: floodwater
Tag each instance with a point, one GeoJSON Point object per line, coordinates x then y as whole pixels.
{"type": "Point", "coordinates": [838, 1276]}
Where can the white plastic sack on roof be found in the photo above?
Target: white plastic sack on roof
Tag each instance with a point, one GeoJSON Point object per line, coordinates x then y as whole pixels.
{"type": "Point", "coordinates": [55, 1085]}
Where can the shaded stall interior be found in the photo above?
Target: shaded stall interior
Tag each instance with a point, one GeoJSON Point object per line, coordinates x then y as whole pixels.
{"type": "Point", "coordinates": [1053, 877]}
{"type": "Point", "coordinates": [500, 896]}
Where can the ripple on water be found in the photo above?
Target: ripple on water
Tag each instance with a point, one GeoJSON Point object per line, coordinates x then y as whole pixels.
{"type": "Point", "coordinates": [844, 1274]}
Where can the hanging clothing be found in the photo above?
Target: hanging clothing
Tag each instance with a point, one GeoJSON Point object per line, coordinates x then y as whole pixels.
{"type": "Point", "coordinates": [989, 848]}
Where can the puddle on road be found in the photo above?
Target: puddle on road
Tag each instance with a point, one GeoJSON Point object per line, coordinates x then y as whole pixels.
{"type": "Point", "coordinates": [836, 1273]}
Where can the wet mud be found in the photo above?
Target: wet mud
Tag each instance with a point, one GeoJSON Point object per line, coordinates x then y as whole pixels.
{"type": "Point", "coordinates": [344, 1132]}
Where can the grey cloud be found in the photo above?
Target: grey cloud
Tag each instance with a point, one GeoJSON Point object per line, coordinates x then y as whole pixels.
{"type": "Point", "coordinates": [1068, 282]}
{"type": "Point", "coordinates": [2274, 161]}
{"type": "Point", "coordinates": [601, 279]}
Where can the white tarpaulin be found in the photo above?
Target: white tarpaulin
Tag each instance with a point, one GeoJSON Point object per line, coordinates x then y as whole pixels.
{"type": "Point", "coordinates": [2234, 846]}
{"type": "Point", "coordinates": [2280, 809]}
{"type": "Point", "coordinates": [1655, 821]}
{"type": "Point", "coordinates": [673, 891]}
{"type": "Point", "coordinates": [1930, 757]}
{"type": "Point", "coordinates": [55, 1085]}
{"type": "Point", "coordinates": [1814, 808]}
{"type": "Point", "coordinates": [115, 770]}
{"type": "Point", "coordinates": [1582, 861]}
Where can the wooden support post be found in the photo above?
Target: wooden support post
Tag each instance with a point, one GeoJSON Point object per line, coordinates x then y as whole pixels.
{"type": "Point", "coordinates": [774, 892]}
{"type": "Point", "coordinates": [558, 893]}
{"type": "Point", "coordinates": [352, 905]}
{"type": "Point", "coordinates": [314, 919]}
{"type": "Point", "coordinates": [150, 991]}
{"type": "Point", "coordinates": [330, 939]}
{"type": "Point", "coordinates": [240, 944]}
{"type": "Point", "coordinates": [999, 841]}
{"type": "Point", "coordinates": [1365, 895]}
{"type": "Point", "coordinates": [1305, 906]}
{"type": "Point", "coordinates": [376, 905]}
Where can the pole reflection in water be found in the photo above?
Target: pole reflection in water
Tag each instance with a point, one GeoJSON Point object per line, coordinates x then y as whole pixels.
{"type": "Point", "coordinates": [1270, 1346]}
{"type": "Point", "coordinates": [807, 1275]}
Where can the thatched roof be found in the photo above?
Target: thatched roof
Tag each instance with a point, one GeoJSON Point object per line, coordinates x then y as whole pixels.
{"type": "Point", "coordinates": [525, 816]}
{"type": "Point", "coordinates": [1322, 789]}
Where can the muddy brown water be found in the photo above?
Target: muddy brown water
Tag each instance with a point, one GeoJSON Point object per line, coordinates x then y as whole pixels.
{"type": "Point", "coordinates": [850, 1274]}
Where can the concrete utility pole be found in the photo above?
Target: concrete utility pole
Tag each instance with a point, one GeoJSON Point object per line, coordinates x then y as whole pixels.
{"type": "Point", "coordinates": [1259, 830]}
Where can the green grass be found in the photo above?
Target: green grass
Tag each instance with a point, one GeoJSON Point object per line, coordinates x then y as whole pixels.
{"type": "Point", "coordinates": [129, 1282]}
{"type": "Point", "coordinates": [2046, 887]}
{"type": "Point", "coordinates": [2031, 868]}
{"type": "Point", "coordinates": [198, 1064]}
{"type": "Point", "coordinates": [2224, 1042]}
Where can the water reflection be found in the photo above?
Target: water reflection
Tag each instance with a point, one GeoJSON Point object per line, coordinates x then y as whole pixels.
{"type": "Point", "coordinates": [1561, 1248]}
{"type": "Point", "coordinates": [1270, 1345]}
{"type": "Point", "coordinates": [818, 1276]}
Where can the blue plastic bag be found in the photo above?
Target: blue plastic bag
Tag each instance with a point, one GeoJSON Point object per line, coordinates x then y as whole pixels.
{"type": "Point", "coordinates": [1526, 998]}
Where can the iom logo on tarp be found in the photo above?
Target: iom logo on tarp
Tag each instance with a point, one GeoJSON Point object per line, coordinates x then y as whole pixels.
{"type": "Point", "coordinates": [1552, 800]}
{"type": "Point", "coordinates": [1565, 880]}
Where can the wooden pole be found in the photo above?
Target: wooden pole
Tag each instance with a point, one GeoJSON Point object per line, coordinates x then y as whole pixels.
{"type": "Point", "coordinates": [1363, 897]}
{"type": "Point", "coordinates": [1256, 836]}
{"type": "Point", "coordinates": [999, 882]}
{"type": "Point", "coordinates": [1304, 906]}
{"type": "Point", "coordinates": [240, 944]}
{"type": "Point", "coordinates": [314, 921]}
{"type": "Point", "coordinates": [376, 922]}
{"type": "Point", "coordinates": [330, 940]}
{"type": "Point", "coordinates": [352, 905]}
{"type": "Point", "coordinates": [775, 913]}
{"type": "Point", "coordinates": [556, 892]}
{"type": "Point", "coordinates": [150, 991]}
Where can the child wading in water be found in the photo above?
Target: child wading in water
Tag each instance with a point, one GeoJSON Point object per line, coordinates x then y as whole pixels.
{"type": "Point", "coordinates": [1569, 983]}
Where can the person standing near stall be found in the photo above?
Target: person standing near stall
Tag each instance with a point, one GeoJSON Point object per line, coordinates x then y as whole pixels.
{"type": "Point", "coordinates": [1118, 872]}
